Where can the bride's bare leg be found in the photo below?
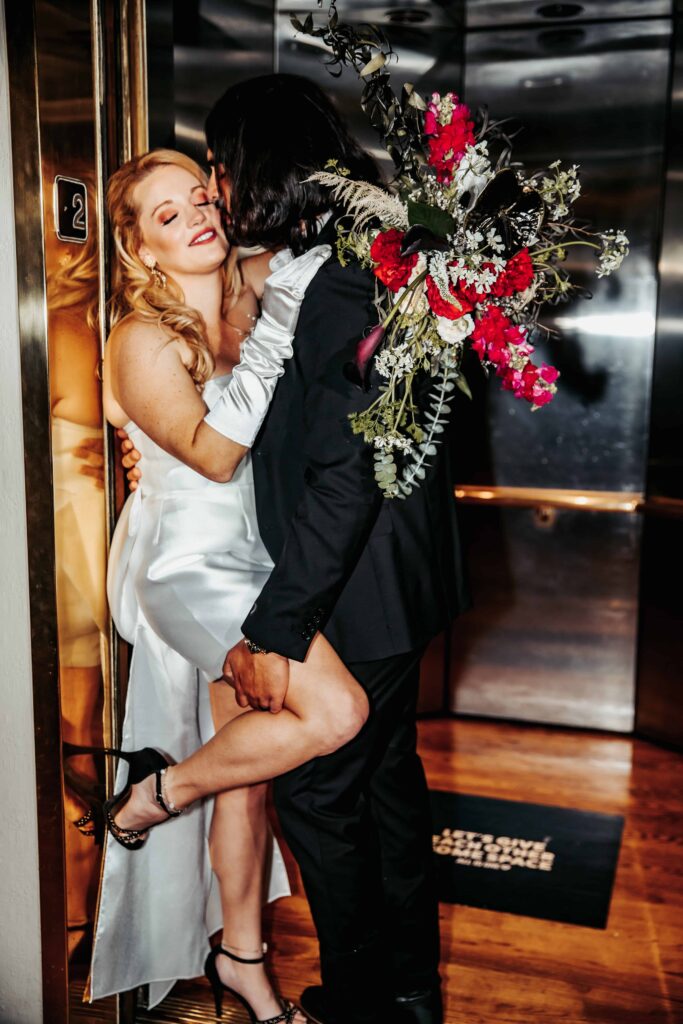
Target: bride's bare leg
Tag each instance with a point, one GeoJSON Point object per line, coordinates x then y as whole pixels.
{"type": "Point", "coordinates": [237, 843]}
{"type": "Point", "coordinates": [324, 709]}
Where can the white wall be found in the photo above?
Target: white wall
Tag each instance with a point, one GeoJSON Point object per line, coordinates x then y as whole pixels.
{"type": "Point", "coordinates": [20, 974]}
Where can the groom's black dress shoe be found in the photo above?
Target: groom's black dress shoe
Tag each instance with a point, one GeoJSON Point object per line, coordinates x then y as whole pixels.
{"type": "Point", "coordinates": [314, 1005]}
{"type": "Point", "coordinates": [422, 1007]}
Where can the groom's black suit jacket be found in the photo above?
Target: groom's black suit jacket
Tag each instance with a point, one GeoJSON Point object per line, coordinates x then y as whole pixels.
{"type": "Point", "coordinates": [378, 576]}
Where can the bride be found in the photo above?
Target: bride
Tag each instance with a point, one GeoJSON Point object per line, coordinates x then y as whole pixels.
{"type": "Point", "coordinates": [186, 565]}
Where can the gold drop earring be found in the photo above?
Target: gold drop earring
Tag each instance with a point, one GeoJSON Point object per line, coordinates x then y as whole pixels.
{"type": "Point", "coordinates": [157, 273]}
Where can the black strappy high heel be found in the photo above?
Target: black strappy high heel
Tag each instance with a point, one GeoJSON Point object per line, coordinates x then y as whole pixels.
{"type": "Point", "coordinates": [218, 988]}
{"type": "Point", "coordinates": [141, 764]}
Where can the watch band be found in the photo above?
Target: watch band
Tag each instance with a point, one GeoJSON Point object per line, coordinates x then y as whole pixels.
{"type": "Point", "coordinates": [254, 648]}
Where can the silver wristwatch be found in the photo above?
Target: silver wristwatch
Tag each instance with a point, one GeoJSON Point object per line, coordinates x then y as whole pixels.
{"type": "Point", "coordinates": [254, 648]}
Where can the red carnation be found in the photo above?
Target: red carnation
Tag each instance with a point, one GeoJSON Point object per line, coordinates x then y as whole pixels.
{"type": "Point", "coordinates": [441, 307]}
{"type": "Point", "coordinates": [392, 269]}
{"type": "Point", "coordinates": [517, 276]}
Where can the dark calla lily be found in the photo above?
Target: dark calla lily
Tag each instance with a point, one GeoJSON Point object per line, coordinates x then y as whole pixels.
{"type": "Point", "coordinates": [358, 369]}
{"type": "Point", "coordinates": [421, 239]}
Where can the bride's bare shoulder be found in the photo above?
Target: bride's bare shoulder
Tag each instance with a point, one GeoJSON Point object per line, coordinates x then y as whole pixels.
{"type": "Point", "coordinates": [137, 345]}
{"type": "Point", "coordinates": [133, 331]}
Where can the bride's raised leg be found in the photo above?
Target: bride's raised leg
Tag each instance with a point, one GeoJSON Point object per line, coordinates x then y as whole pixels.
{"type": "Point", "coordinates": [238, 843]}
{"type": "Point", "coordinates": [324, 709]}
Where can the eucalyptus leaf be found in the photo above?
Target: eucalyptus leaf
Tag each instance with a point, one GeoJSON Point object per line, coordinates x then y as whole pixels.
{"type": "Point", "coordinates": [463, 385]}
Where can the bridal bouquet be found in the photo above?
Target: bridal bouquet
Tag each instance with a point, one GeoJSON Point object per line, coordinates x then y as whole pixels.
{"type": "Point", "coordinates": [466, 248]}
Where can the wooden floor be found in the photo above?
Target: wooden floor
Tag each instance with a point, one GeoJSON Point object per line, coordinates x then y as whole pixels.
{"type": "Point", "coordinates": [507, 969]}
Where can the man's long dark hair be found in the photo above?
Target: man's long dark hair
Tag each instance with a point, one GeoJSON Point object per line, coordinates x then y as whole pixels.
{"type": "Point", "coordinates": [269, 134]}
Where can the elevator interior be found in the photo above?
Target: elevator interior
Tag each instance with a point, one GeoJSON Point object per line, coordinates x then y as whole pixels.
{"type": "Point", "coordinates": [571, 515]}
{"type": "Point", "coordinates": [551, 503]}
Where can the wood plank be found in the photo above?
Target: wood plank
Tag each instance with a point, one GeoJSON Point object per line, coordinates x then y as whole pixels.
{"type": "Point", "coordinates": [507, 969]}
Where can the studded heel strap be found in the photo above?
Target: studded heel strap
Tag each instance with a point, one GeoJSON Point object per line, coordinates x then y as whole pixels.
{"type": "Point", "coordinates": [161, 798]}
{"type": "Point", "coordinates": [130, 837]}
{"type": "Point", "coordinates": [286, 1017]}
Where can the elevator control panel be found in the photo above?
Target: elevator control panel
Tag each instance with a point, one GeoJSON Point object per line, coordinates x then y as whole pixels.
{"type": "Point", "coordinates": [70, 209]}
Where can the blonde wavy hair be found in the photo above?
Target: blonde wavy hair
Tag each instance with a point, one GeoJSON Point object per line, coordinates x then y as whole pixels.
{"type": "Point", "coordinates": [134, 287]}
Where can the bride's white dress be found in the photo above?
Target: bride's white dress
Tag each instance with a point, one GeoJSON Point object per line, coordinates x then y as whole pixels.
{"type": "Point", "coordinates": [186, 565]}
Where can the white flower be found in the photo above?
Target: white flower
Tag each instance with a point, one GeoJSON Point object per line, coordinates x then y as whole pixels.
{"type": "Point", "coordinates": [395, 362]}
{"type": "Point", "coordinates": [471, 272]}
{"type": "Point", "coordinates": [614, 249]}
{"type": "Point", "coordinates": [385, 362]}
{"type": "Point", "coordinates": [452, 331]}
{"type": "Point", "coordinates": [403, 444]}
{"type": "Point", "coordinates": [473, 171]}
{"type": "Point", "coordinates": [438, 271]}
{"type": "Point", "coordinates": [561, 190]}
{"type": "Point", "coordinates": [472, 240]}
{"type": "Point", "coordinates": [495, 241]}
{"type": "Point", "coordinates": [404, 359]}
{"type": "Point", "coordinates": [393, 442]}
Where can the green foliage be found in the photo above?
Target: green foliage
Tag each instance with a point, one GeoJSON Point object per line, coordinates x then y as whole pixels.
{"type": "Point", "coordinates": [437, 221]}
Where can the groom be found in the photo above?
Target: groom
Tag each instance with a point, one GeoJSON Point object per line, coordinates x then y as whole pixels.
{"type": "Point", "coordinates": [378, 577]}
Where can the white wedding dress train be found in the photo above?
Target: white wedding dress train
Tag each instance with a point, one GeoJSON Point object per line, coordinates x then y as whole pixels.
{"type": "Point", "coordinates": [186, 565]}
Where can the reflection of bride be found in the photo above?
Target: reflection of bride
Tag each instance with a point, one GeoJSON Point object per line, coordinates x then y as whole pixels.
{"type": "Point", "coordinates": [80, 545]}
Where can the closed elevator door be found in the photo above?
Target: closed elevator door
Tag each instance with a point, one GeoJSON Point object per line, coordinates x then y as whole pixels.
{"type": "Point", "coordinates": [550, 500]}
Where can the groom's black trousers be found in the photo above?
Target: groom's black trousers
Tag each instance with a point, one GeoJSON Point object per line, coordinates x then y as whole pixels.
{"type": "Point", "coordinates": [358, 823]}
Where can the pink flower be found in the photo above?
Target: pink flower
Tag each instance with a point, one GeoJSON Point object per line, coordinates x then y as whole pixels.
{"type": "Point", "coordinates": [357, 371]}
{"type": "Point", "coordinates": [504, 344]}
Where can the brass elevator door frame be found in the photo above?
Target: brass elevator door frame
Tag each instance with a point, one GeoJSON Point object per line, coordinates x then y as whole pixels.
{"type": "Point", "coordinates": [117, 121]}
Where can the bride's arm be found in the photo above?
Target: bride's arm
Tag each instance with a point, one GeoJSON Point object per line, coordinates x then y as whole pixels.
{"type": "Point", "coordinates": [151, 383]}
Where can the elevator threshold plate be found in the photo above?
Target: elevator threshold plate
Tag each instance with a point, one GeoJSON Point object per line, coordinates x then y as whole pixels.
{"type": "Point", "coordinates": [188, 1003]}
{"type": "Point", "coordinates": [536, 860]}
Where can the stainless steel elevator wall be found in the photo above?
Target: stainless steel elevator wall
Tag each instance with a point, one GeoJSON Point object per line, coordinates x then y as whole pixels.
{"type": "Point", "coordinates": [552, 635]}
{"type": "Point", "coordinates": [556, 596]}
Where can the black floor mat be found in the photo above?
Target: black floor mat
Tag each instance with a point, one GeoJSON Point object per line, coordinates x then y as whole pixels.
{"type": "Point", "coordinates": [531, 859]}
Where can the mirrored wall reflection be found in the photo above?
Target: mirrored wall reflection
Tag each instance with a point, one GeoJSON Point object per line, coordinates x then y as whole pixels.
{"type": "Point", "coordinates": [69, 175]}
